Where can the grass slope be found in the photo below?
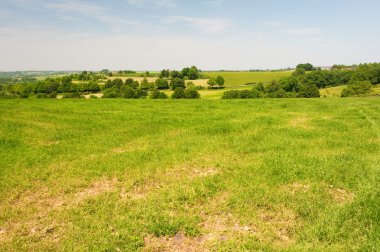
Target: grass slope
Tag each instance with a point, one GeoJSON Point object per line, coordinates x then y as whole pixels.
{"type": "Point", "coordinates": [126, 175]}
{"type": "Point", "coordinates": [241, 78]}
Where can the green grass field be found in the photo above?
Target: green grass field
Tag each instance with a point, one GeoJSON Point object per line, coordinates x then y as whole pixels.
{"type": "Point", "coordinates": [242, 78]}
{"type": "Point", "coordinates": [190, 175]}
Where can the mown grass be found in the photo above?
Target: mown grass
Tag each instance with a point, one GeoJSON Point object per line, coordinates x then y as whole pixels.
{"type": "Point", "coordinates": [243, 78]}
{"type": "Point", "coordinates": [126, 175]}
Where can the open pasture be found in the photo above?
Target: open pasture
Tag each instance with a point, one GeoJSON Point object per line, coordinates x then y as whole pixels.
{"type": "Point", "coordinates": [146, 175]}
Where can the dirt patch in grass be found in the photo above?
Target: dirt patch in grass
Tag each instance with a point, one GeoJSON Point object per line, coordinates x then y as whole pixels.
{"type": "Point", "coordinates": [277, 225]}
{"type": "Point", "coordinates": [192, 171]}
{"type": "Point", "coordinates": [341, 196]}
{"type": "Point", "coordinates": [139, 192]}
{"type": "Point", "coordinates": [96, 189]}
{"type": "Point", "coordinates": [35, 207]}
{"type": "Point", "coordinates": [300, 122]}
{"type": "Point", "coordinates": [296, 188]}
{"type": "Point", "coordinates": [179, 242]}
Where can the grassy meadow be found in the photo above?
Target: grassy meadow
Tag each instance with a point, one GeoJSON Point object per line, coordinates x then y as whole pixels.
{"type": "Point", "coordinates": [170, 175]}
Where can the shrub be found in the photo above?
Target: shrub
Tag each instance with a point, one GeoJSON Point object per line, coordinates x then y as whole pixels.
{"type": "Point", "coordinates": [179, 93]}
{"type": "Point", "coordinates": [362, 88]}
{"type": "Point", "coordinates": [309, 91]}
{"type": "Point", "coordinates": [141, 93]}
{"type": "Point", "coordinates": [129, 93]}
{"type": "Point", "coordinates": [111, 93]}
{"type": "Point", "coordinates": [162, 84]}
{"type": "Point", "coordinates": [177, 83]}
{"type": "Point", "coordinates": [156, 94]}
{"type": "Point", "coordinates": [192, 93]}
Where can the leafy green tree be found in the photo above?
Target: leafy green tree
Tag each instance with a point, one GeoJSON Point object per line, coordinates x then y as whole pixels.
{"type": "Point", "coordinates": [362, 88]}
{"type": "Point", "coordinates": [162, 84]}
{"type": "Point", "coordinates": [192, 93]}
{"type": "Point", "coordinates": [129, 93]}
{"type": "Point", "coordinates": [211, 82]}
{"type": "Point", "coordinates": [306, 67]}
{"type": "Point", "coordinates": [193, 73]}
{"type": "Point", "coordinates": [219, 81]}
{"type": "Point", "coordinates": [156, 94]}
{"type": "Point", "coordinates": [179, 93]}
{"type": "Point", "coordinates": [309, 91]}
{"type": "Point", "coordinates": [290, 84]}
{"type": "Point", "coordinates": [145, 84]}
{"type": "Point", "coordinates": [165, 73]}
{"type": "Point", "coordinates": [177, 83]}
{"type": "Point", "coordinates": [299, 72]}
{"type": "Point", "coordinates": [111, 93]}
{"type": "Point", "coordinates": [175, 74]}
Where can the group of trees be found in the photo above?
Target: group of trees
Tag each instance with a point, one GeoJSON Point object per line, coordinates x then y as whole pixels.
{"type": "Point", "coordinates": [132, 89]}
{"type": "Point", "coordinates": [188, 73]}
{"type": "Point", "coordinates": [49, 88]}
{"type": "Point", "coordinates": [217, 82]}
{"type": "Point", "coordinates": [275, 89]}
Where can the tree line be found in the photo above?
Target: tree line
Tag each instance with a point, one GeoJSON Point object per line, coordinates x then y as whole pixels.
{"type": "Point", "coordinates": [306, 81]}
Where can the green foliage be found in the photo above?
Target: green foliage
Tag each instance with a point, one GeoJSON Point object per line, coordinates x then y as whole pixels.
{"type": "Point", "coordinates": [179, 93]}
{"type": "Point", "coordinates": [162, 83]}
{"type": "Point", "coordinates": [156, 94]}
{"type": "Point", "coordinates": [111, 93]}
{"type": "Point", "coordinates": [145, 84]}
{"type": "Point", "coordinates": [306, 67]}
{"type": "Point", "coordinates": [211, 82]}
{"type": "Point", "coordinates": [362, 88]}
{"type": "Point", "coordinates": [177, 83]}
{"type": "Point", "coordinates": [219, 81]}
{"type": "Point", "coordinates": [299, 72]}
{"type": "Point", "coordinates": [192, 93]}
{"type": "Point", "coordinates": [309, 91]}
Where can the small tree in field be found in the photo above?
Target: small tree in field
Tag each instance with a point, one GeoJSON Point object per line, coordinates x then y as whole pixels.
{"type": "Point", "coordinates": [145, 84]}
{"type": "Point", "coordinates": [179, 93]}
{"type": "Point", "coordinates": [211, 82]}
{"type": "Point", "coordinates": [219, 81]}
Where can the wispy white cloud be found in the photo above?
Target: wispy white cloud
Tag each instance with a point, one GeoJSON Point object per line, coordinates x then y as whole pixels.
{"type": "Point", "coordinates": [153, 3]}
{"type": "Point", "coordinates": [94, 11]}
{"type": "Point", "coordinates": [205, 25]}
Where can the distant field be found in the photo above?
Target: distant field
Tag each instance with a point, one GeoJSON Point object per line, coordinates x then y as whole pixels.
{"type": "Point", "coordinates": [185, 175]}
{"type": "Point", "coordinates": [335, 92]}
{"type": "Point", "coordinates": [242, 78]}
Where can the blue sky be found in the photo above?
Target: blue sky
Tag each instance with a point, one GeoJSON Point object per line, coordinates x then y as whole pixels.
{"type": "Point", "coordinates": [212, 34]}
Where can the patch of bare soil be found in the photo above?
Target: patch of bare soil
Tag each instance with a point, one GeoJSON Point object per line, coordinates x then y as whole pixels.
{"type": "Point", "coordinates": [341, 196]}
{"type": "Point", "coordinates": [278, 225]}
{"type": "Point", "coordinates": [179, 242]}
{"type": "Point", "coordinates": [296, 188]}
{"type": "Point", "coordinates": [37, 223]}
{"type": "Point", "coordinates": [139, 192]}
{"type": "Point", "coordinates": [96, 189]}
{"type": "Point", "coordinates": [192, 171]}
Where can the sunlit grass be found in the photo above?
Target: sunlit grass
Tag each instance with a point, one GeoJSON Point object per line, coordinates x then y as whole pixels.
{"type": "Point", "coordinates": [288, 174]}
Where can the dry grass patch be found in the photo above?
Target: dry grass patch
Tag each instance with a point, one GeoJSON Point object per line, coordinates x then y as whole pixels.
{"type": "Point", "coordinates": [296, 188]}
{"type": "Point", "coordinates": [134, 145]}
{"type": "Point", "coordinates": [36, 206]}
{"type": "Point", "coordinates": [277, 225]}
{"type": "Point", "coordinates": [179, 242]}
{"type": "Point", "coordinates": [341, 196]}
{"type": "Point", "coordinates": [300, 122]}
